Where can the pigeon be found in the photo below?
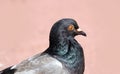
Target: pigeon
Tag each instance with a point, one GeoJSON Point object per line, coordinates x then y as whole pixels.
{"type": "Point", "coordinates": [64, 54]}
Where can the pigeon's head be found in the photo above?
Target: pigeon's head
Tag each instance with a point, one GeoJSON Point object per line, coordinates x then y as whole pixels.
{"type": "Point", "coordinates": [66, 28]}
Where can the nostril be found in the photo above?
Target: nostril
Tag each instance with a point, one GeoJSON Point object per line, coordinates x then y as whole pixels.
{"type": "Point", "coordinates": [79, 29]}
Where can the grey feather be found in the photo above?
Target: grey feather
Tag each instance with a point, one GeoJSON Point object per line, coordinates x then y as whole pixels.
{"type": "Point", "coordinates": [38, 64]}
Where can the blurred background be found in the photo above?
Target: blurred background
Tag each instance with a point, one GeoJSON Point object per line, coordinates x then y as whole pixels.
{"type": "Point", "coordinates": [25, 27]}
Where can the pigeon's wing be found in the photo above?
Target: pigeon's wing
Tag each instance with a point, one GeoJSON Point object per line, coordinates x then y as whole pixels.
{"type": "Point", "coordinates": [38, 64]}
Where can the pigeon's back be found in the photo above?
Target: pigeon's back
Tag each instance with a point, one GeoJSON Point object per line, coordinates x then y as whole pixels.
{"type": "Point", "coordinates": [38, 64]}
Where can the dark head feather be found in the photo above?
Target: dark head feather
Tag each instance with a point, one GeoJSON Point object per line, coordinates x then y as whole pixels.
{"type": "Point", "coordinates": [65, 48]}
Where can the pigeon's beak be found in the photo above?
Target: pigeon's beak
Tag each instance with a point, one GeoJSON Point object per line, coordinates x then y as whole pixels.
{"type": "Point", "coordinates": [80, 32]}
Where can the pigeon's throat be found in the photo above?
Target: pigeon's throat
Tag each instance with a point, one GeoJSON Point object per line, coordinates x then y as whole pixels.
{"type": "Point", "coordinates": [68, 52]}
{"type": "Point", "coordinates": [59, 46]}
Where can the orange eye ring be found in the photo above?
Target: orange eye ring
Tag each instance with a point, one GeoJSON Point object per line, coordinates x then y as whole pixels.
{"type": "Point", "coordinates": [70, 27]}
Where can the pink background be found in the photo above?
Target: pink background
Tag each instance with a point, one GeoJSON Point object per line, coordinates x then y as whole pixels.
{"type": "Point", "coordinates": [25, 26]}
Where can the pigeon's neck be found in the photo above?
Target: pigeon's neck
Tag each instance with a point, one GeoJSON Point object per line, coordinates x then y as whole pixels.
{"type": "Point", "coordinates": [68, 51]}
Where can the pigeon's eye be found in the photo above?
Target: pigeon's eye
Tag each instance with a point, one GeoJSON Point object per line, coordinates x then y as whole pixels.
{"type": "Point", "coordinates": [70, 28]}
